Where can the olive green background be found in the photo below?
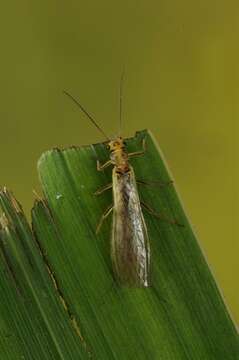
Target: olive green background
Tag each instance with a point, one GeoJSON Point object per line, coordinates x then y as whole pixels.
{"type": "Point", "coordinates": [181, 63]}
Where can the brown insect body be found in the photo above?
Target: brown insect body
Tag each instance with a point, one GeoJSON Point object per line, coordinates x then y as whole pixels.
{"type": "Point", "coordinates": [130, 250]}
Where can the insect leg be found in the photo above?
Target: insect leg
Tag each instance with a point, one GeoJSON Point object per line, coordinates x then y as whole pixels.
{"type": "Point", "coordinates": [159, 216]}
{"type": "Point", "coordinates": [103, 166]}
{"type": "Point", "coordinates": [102, 189]}
{"type": "Point", "coordinates": [103, 217]}
{"type": "Point", "coordinates": [139, 153]}
{"type": "Point", "coordinates": [154, 183]}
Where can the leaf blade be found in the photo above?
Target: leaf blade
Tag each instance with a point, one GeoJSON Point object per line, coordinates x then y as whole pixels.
{"type": "Point", "coordinates": [184, 296]}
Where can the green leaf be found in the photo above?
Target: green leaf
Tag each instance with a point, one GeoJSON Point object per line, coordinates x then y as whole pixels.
{"type": "Point", "coordinates": [59, 296]}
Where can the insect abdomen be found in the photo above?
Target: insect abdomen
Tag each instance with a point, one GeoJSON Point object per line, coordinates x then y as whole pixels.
{"type": "Point", "coordinates": [130, 245]}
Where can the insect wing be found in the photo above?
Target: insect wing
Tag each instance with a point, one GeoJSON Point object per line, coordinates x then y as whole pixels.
{"type": "Point", "coordinates": [130, 244]}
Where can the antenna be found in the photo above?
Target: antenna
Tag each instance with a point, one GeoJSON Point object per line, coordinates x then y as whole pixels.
{"type": "Point", "coordinates": [120, 101]}
{"type": "Point", "coordinates": [86, 113]}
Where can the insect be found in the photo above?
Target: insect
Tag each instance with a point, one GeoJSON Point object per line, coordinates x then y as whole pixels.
{"type": "Point", "coordinates": [130, 248]}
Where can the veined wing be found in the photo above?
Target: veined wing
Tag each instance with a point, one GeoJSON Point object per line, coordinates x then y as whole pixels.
{"type": "Point", "coordinates": [130, 244]}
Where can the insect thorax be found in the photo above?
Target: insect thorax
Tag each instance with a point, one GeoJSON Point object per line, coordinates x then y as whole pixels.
{"type": "Point", "coordinates": [119, 159]}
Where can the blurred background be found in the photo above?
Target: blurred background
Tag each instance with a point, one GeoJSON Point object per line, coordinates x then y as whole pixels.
{"type": "Point", "coordinates": [181, 63]}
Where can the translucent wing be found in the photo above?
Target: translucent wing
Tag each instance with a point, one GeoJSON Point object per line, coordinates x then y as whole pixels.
{"type": "Point", "coordinates": [130, 244]}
